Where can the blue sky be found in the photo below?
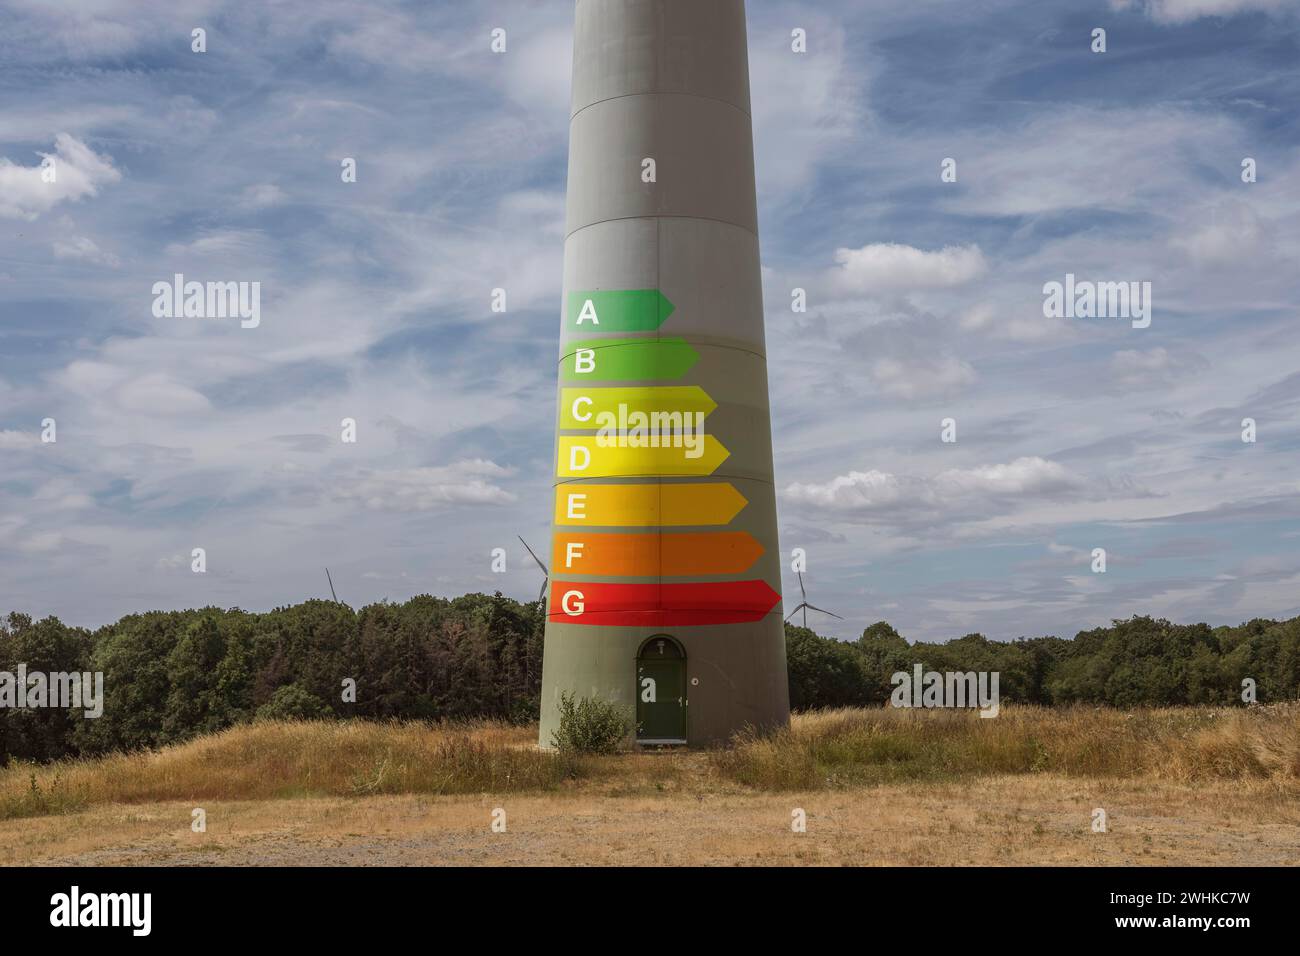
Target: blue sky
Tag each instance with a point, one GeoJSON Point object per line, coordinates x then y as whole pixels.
{"type": "Point", "coordinates": [924, 302]}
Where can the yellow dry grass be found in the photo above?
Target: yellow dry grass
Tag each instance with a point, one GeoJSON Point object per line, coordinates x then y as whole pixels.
{"type": "Point", "coordinates": [865, 746]}
{"type": "Point", "coordinates": [279, 759]}
{"type": "Point", "coordinates": [1191, 785]}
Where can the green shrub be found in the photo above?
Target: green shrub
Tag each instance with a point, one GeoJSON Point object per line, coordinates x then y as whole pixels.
{"type": "Point", "coordinates": [37, 801]}
{"type": "Point", "coordinates": [590, 726]}
{"type": "Point", "coordinates": [291, 702]}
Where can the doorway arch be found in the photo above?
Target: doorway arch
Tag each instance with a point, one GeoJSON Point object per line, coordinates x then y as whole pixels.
{"type": "Point", "coordinates": [661, 691]}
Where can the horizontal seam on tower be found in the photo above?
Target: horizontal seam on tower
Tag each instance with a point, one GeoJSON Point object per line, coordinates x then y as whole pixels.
{"type": "Point", "coordinates": [725, 222]}
{"type": "Point", "coordinates": [698, 96]}
{"type": "Point", "coordinates": [641, 480]}
{"type": "Point", "coordinates": [615, 343]}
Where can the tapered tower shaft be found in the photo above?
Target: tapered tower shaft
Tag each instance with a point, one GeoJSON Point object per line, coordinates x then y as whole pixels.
{"type": "Point", "coordinates": [665, 577]}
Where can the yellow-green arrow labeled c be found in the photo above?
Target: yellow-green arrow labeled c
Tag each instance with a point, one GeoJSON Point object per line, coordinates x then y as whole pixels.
{"type": "Point", "coordinates": [667, 408]}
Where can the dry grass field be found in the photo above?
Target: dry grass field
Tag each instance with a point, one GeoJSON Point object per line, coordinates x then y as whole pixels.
{"type": "Point", "coordinates": [878, 787]}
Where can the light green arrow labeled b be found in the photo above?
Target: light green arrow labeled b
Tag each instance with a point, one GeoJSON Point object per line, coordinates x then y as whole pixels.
{"type": "Point", "coordinates": [617, 310]}
{"type": "Point", "coordinates": [627, 360]}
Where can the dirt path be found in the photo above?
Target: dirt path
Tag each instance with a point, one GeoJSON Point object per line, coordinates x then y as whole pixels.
{"type": "Point", "coordinates": [1004, 820]}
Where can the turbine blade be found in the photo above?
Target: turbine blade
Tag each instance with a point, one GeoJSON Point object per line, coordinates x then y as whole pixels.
{"type": "Point", "coordinates": [814, 607]}
{"type": "Point", "coordinates": [535, 557]}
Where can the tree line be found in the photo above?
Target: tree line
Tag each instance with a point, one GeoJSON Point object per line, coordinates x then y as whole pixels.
{"type": "Point", "coordinates": [1135, 662]}
{"type": "Point", "coordinates": [170, 675]}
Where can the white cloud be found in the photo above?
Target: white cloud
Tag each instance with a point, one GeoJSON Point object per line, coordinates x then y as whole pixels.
{"type": "Point", "coordinates": [421, 489]}
{"type": "Point", "coordinates": [93, 30]}
{"type": "Point", "coordinates": [62, 494]}
{"type": "Point", "coordinates": [534, 209]}
{"type": "Point", "coordinates": [105, 385]}
{"type": "Point", "coordinates": [978, 317]}
{"type": "Point", "coordinates": [1184, 11]}
{"type": "Point", "coordinates": [221, 244]}
{"type": "Point", "coordinates": [1020, 321]}
{"type": "Point", "coordinates": [975, 491]}
{"type": "Point", "coordinates": [77, 172]}
{"type": "Point", "coordinates": [261, 196]}
{"type": "Point", "coordinates": [1134, 369]}
{"type": "Point", "coordinates": [157, 394]}
{"type": "Point", "coordinates": [83, 248]}
{"type": "Point", "coordinates": [88, 377]}
{"type": "Point", "coordinates": [891, 266]}
{"type": "Point", "coordinates": [537, 69]}
{"type": "Point", "coordinates": [1082, 157]}
{"type": "Point", "coordinates": [42, 542]}
{"type": "Point", "coordinates": [1235, 233]}
{"type": "Point", "coordinates": [11, 440]}
{"type": "Point", "coordinates": [856, 491]}
{"type": "Point", "coordinates": [919, 378]}
{"type": "Point", "coordinates": [1055, 547]}
{"type": "Point", "coordinates": [805, 106]}
{"type": "Point", "coordinates": [1029, 476]}
{"type": "Point", "coordinates": [393, 39]}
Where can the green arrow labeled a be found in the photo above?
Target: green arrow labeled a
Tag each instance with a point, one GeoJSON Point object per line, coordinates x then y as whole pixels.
{"type": "Point", "coordinates": [627, 360]}
{"type": "Point", "coordinates": [617, 310]}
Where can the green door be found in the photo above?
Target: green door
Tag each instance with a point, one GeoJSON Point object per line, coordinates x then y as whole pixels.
{"type": "Point", "coordinates": [661, 692]}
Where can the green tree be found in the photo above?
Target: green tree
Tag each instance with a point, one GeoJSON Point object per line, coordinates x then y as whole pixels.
{"type": "Point", "coordinates": [45, 647]}
{"type": "Point", "coordinates": [825, 672]}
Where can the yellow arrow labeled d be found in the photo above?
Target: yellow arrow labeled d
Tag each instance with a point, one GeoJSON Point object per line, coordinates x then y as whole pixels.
{"type": "Point", "coordinates": [586, 457]}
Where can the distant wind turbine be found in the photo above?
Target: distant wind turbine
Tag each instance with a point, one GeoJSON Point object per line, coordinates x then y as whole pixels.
{"type": "Point", "coordinates": [806, 607]}
{"type": "Point", "coordinates": [331, 581]}
{"type": "Point", "coordinates": [541, 595]}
